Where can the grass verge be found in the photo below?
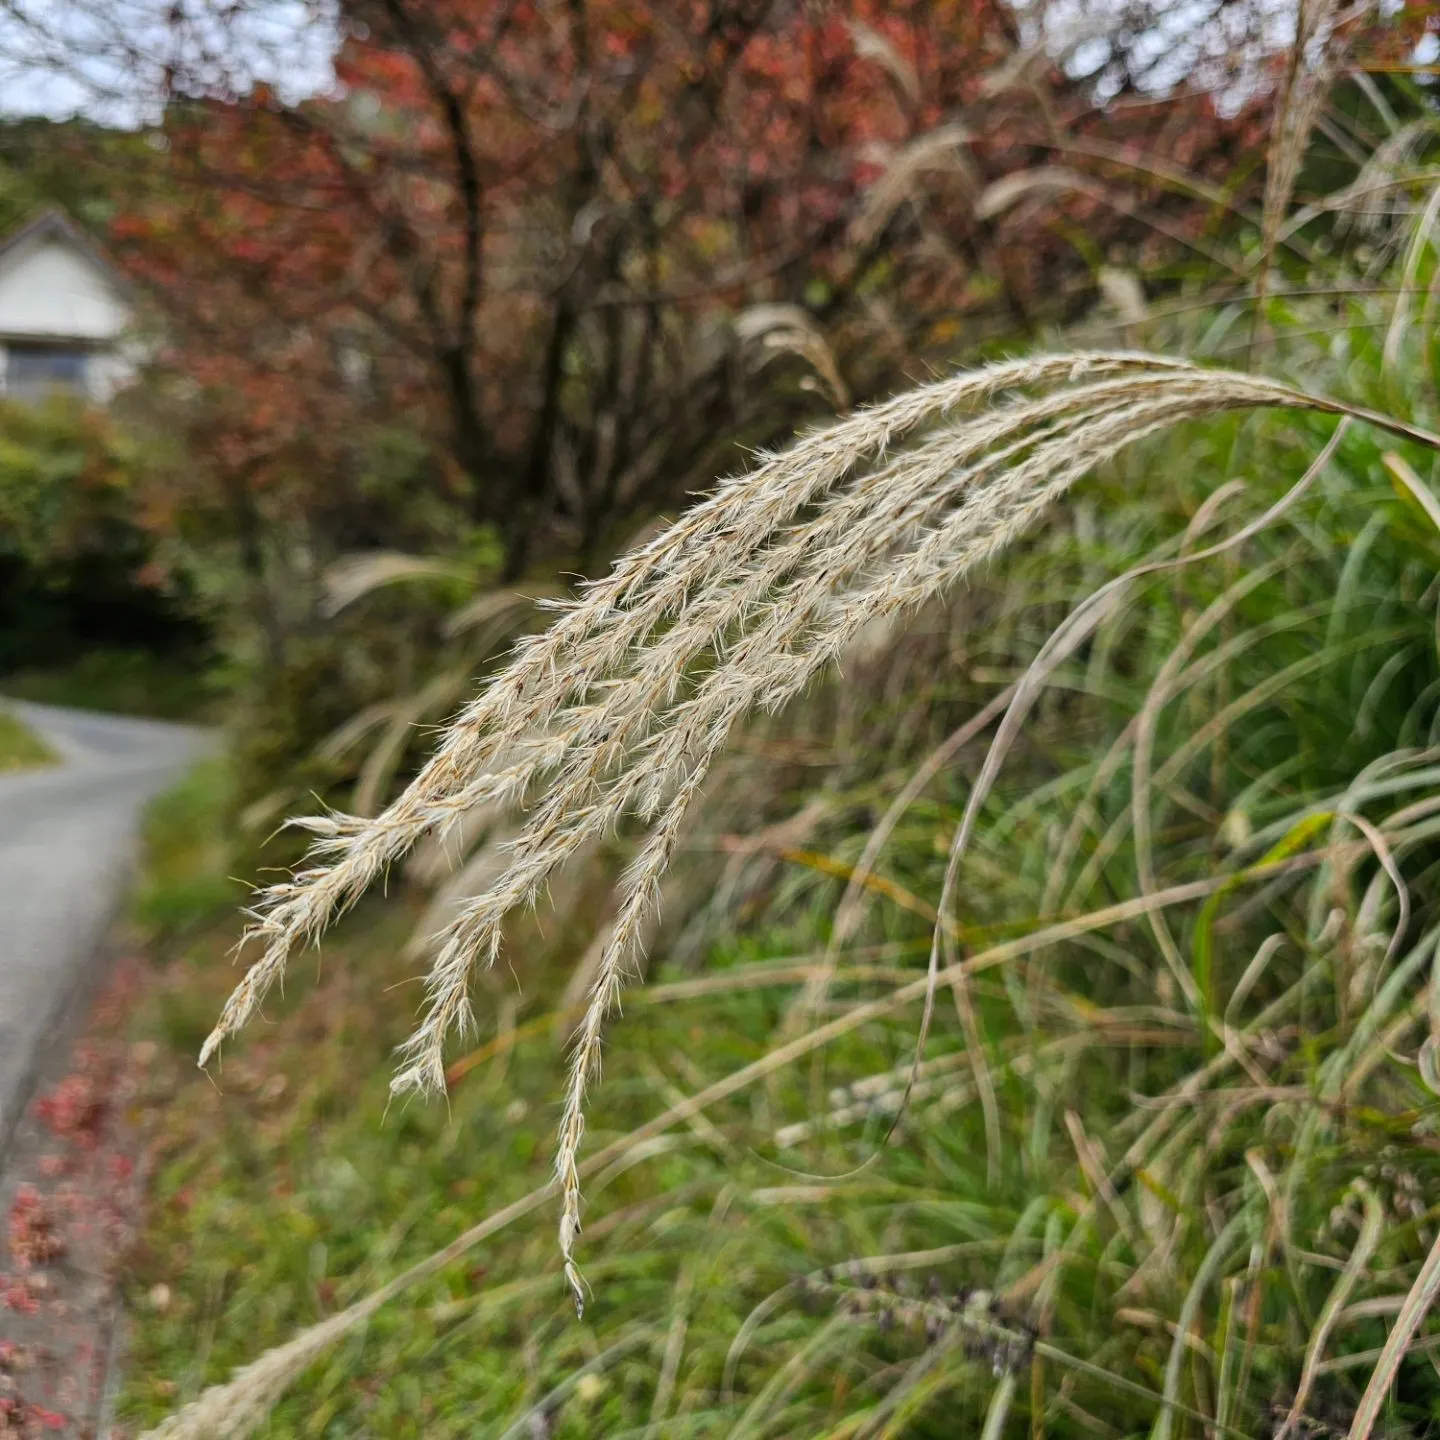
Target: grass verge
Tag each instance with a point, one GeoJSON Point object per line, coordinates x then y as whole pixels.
{"type": "Point", "coordinates": [20, 747]}
{"type": "Point", "coordinates": [122, 682]}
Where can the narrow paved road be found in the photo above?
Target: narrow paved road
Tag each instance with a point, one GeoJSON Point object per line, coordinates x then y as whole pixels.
{"type": "Point", "coordinates": [67, 840]}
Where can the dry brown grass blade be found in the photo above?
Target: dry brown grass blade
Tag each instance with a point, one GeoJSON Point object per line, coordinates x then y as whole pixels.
{"type": "Point", "coordinates": [1313, 57]}
{"type": "Point", "coordinates": [1004, 194]}
{"type": "Point", "coordinates": [860, 878]}
{"type": "Point", "coordinates": [1404, 475]}
{"type": "Point", "coordinates": [355, 576]}
{"type": "Point", "coordinates": [1400, 319]}
{"type": "Point", "coordinates": [941, 150]}
{"type": "Point", "coordinates": [870, 44]}
{"type": "Point", "coordinates": [1418, 1304]}
{"type": "Point", "coordinates": [1371, 1230]}
{"type": "Point", "coordinates": [791, 330]}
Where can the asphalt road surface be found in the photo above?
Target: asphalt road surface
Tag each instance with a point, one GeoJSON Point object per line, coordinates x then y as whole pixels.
{"type": "Point", "coordinates": [67, 842]}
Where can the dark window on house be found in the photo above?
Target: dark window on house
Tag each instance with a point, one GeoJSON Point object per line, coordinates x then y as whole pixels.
{"type": "Point", "coordinates": [33, 371]}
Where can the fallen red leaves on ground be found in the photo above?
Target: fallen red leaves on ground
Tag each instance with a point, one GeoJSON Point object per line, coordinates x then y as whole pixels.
{"type": "Point", "coordinates": [33, 1234]}
{"type": "Point", "coordinates": [74, 1109]}
{"type": "Point", "coordinates": [71, 1194]}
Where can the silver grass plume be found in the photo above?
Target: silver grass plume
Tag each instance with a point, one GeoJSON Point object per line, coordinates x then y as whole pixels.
{"type": "Point", "coordinates": [1315, 56]}
{"type": "Point", "coordinates": [621, 707]}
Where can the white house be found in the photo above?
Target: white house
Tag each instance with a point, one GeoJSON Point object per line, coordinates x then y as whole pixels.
{"type": "Point", "coordinates": [64, 310]}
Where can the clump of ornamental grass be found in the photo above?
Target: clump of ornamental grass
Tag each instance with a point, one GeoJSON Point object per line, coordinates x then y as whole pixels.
{"type": "Point", "coordinates": [1222, 738]}
{"type": "Point", "coordinates": [619, 711]}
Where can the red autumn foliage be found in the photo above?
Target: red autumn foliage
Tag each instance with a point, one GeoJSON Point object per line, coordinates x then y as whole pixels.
{"type": "Point", "coordinates": [526, 231]}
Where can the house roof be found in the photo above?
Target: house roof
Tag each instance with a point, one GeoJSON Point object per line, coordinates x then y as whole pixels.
{"type": "Point", "coordinates": [53, 223]}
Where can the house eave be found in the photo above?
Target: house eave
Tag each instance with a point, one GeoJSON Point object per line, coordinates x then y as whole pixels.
{"type": "Point", "coordinates": [55, 337]}
{"type": "Point", "coordinates": [53, 222]}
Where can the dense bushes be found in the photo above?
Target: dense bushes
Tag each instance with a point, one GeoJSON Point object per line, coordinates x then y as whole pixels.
{"type": "Point", "coordinates": [78, 569]}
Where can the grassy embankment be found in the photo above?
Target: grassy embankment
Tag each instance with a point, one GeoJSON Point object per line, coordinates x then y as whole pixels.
{"type": "Point", "coordinates": [20, 747]}
{"type": "Point", "coordinates": [1180, 1141]}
